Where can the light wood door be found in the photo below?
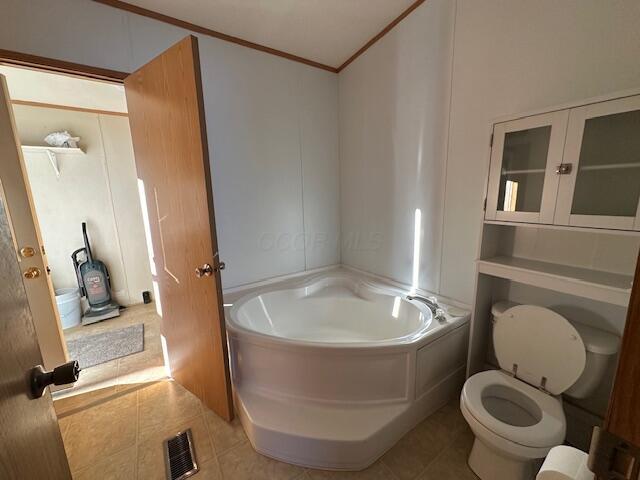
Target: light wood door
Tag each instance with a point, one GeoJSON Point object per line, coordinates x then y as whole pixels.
{"type": "Point", "coordinates": [522, 178]}
{"type": "Point", "coordinates": [27, 235]}
{"type": "Point", "coordinates": [164, 99]}
{"type": "Point", "coordinates": [602, 189]}
{"type": "Point", "coordinates": [30, 441]}
{"type": "Point", "coordinates": [615, 451]}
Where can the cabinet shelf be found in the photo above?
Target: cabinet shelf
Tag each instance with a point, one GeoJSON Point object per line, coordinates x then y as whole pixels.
{"type": "Point", "coordinates": [523, 171]}
{"type": "Point", "coordinates": [607, 287]}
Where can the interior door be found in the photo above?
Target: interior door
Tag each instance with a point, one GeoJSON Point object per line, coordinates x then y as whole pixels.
{"type": "Point", "coordinates": [603, 149]}
{"type": "Point", "coordinates": [31, 445]}
{"type": "Point", "coordinates": [26, 232]}
{"type": "Point", "coordinates": [164, 100]}
{"type": "Point", "coordinates": [615, 449]}
{"type": "Point", "coordinates": [522, 177]}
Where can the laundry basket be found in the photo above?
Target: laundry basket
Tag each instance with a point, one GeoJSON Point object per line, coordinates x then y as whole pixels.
{"type": "Point", "coordinates": [68, 301]}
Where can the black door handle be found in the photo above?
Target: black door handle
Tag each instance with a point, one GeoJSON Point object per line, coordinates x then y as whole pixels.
{"type": "Point", "coordinates": [61, 375]}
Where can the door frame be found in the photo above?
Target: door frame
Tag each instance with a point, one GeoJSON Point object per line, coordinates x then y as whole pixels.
{"type": "Point", "coordinates": [110, 76]}
{"type": "Point", "coordinates": [52, 65]}
{"type": "Point", "coordinates": [615, 447]}
{"type": "Point", "coordinates": [62, 67]}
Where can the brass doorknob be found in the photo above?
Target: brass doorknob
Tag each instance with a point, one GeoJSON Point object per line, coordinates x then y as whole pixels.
{"type": "Point", "coordinates": [205, 270]}
{"type": "Point", "coordinates": [27, 252]}
{"type": "Point", "coordinates": [31, 273]}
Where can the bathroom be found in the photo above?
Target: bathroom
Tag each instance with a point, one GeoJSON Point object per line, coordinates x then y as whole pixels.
{"type": "Point", "coordinates": [370, 177]}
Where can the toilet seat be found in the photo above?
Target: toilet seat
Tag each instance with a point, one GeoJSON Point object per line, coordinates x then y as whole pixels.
{"type": "Point", "coordinates": [539, 347]}
{"type": "Point", "coordinates": [547, 432]}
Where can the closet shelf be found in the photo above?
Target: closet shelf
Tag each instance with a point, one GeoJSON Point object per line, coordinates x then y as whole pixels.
{"type": "Point", "coordinates": [607, 287]}
{"type": "Point", "coordinates": [47, 148]}
{"type": "Point", "coordinates": [51, 153]}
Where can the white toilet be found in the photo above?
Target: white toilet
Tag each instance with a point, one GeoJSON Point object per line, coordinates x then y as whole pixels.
{"type": "Point", "coordinates": [516, 413]}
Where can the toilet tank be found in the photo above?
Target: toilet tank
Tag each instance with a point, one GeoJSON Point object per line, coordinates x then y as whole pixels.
{"type": "Point", "coordinates": [601, 348]}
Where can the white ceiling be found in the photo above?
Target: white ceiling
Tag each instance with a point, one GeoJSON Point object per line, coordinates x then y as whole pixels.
{"type": "Point", "coordinates": [326, 31]}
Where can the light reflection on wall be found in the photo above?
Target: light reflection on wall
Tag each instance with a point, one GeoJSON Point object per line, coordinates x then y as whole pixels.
{"type": "Point", "coordinates": [417, 236]}
{"type": "Point", "coordinates": [147, 235]}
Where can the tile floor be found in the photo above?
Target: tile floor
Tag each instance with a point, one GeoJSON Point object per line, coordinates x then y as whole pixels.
{"type": "Point", "coordinates": [121, 438]}
{"type": "Point", "coordinates": [105, 380]}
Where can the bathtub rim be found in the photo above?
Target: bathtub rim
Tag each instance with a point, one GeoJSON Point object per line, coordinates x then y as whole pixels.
{"type": "Point", "coordinates": [433, 330]}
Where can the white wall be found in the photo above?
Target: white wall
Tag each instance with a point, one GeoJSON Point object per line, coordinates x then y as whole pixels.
{"type": "Point", "coordinates": [508, 57]}
{"type": "Point", "coordinates": [273, 147]}
{"type": "Point", "coordinates": [99, 188]}
{"type": "Point", "coordinates": [269, 121]}
{"type": "Point", "coordinates": [394, 110]}
{"type": "Point", "coordinates": [516, 56]}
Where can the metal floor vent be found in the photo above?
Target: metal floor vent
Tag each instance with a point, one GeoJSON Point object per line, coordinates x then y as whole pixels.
{"type": "Point", "coordinates": [179, 456]}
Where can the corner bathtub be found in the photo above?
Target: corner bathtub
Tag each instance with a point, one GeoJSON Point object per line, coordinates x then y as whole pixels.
{"type": "Point", "coordinates": [332, 371]}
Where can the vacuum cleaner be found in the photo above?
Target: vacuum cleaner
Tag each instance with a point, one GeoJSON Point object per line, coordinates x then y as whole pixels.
{"type": "Point", "coordinates": [94, 284]}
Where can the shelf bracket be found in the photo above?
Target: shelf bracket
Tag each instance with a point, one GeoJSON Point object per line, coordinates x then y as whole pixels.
{"type": "Point", "coordinates": [54, 162]}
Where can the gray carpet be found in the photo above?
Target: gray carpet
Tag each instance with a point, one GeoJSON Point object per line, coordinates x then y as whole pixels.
{"type": "Point", "coordinates": [102, 347]}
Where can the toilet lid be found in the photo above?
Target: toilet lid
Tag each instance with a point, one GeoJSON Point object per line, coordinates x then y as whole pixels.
{"type": "Point", "coordinates": [542, 344]}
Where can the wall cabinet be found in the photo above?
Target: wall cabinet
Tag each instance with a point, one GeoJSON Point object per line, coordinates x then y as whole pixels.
{"type": "Point", "coordinates": [575, 167]}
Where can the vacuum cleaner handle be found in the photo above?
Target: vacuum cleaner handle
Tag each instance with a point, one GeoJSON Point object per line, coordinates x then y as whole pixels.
{"type": "Point", "coordinates": [86, 242]}
{"type": "Point", "coordinates": [76, 266]}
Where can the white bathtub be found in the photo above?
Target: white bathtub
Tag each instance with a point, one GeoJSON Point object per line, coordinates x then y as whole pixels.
{"type": "Point", "coordinates": [332, 371]}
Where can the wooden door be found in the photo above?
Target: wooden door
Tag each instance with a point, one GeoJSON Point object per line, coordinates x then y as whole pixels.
{"type": "Point", "coordinates": [27, 236]}
{"type": "Point", "coordinates": [31, 443]}
{"type": "Point", "coordinates": [164, 99]}
{"type": "Point", "coordinates": [615, 449]}
{"type": "Point", "coordinates": [522, 177]}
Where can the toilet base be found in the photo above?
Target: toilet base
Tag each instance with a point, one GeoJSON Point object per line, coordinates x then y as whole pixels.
{"type": "Point", "coordinates": [489, 464]}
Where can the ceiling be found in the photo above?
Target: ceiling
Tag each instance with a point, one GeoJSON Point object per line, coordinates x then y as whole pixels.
{"type": "Point", "coordinates": [325, 31]}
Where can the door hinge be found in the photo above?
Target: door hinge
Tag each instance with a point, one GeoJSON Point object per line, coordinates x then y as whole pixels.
{"type": "Point", "coordinates": [484, 206]}
{"type": "Point", "coordinates": [491, 140]}
{"type": "Point", "coordinates": [613, 458]}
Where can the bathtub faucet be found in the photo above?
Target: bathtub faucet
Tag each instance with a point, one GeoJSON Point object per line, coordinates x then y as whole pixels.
{"type": "Point", "coordinates": [432, 303]}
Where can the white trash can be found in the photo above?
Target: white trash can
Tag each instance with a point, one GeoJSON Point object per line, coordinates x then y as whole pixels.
{"type": "Point", "coordinates": [68, 301]}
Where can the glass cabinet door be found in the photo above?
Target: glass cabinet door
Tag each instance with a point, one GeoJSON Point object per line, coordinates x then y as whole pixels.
{"type": "Point", "coordinates": [522, 179]}
{"type": "Point", "coordinates": [602, 188]}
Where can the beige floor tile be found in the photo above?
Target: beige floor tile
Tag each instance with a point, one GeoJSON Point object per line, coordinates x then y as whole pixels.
{"type": "Point", "coordinates": [304, 476]}
{"type": "Point", "coordinates": [225, 435]}
{"type": "Point", "coordinates": [377, 471]}
{"type": "Point", "coordinates": [63, 424]}
{"type": "Point", "coordinates": [119, 466]}
{"type": "Point", "coordinates": [165, 403]}
{"type": "Point", "coordinates": [450, 415]}
{"type": "Point", "coordinates": [209, 470]}
{"type": "Point", "coordinates": [244, 463]}
{"type": "Point", "coordinates": [411, 455]}
{"type": "Point", "coordinates": [452, 463]}
{"type": "Point", "coordinates": [101, 431]}
{"type": "Point", "coordinates": [120, 374]}
{"type": "Point", "coordinates": [79, 401]}
{"type": "Point", "coordinates": [151, 451]}
{"type": "Point", "coordinates": [144, 367]}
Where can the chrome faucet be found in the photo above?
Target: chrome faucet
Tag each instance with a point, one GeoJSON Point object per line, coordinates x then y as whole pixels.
{"type": "Point", "coordinates": [432, 303]}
